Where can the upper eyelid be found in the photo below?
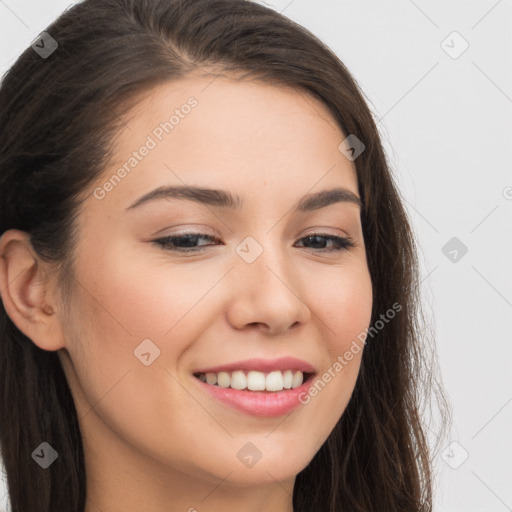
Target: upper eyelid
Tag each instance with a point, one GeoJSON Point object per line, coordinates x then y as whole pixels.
{"type": "Point", "coordinates": [313, 230]}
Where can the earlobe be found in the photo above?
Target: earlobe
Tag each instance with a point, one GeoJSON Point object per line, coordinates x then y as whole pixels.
{"type": "Point", "coordinates": [25, 292]}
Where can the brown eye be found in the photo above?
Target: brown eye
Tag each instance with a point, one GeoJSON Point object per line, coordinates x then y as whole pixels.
{"type": "Point", "coordinates": [185, 242]}
{"type": "Point", "coordinates": [340, 243]}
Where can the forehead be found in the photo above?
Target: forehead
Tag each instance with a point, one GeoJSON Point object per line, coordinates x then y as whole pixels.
{"type": "Point", "coordinates": [219, 132]}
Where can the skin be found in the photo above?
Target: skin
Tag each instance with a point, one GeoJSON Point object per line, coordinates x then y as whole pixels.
{"type": "Point", "coordinates": [152, 438]}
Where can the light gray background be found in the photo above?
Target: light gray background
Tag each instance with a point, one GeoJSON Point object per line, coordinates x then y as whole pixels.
{"type": "Point", "coordinates": [446, 124]}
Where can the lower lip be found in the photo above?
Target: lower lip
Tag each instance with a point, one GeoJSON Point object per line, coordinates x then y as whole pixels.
{"type": "Point", "coordinates": [259, 403]}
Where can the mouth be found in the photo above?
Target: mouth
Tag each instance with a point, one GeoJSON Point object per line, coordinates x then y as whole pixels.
{"type": "Point", "coordinates": [254, 380]}
{"type": "Point", "coordinates": [257, 393]}
{"type": "Point", "coordinates": [258, 387]}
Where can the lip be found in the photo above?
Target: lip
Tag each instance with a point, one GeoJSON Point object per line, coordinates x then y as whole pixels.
{"type": "Point", "coordinates": [258, 403]}
{"type": "Point", "coordinates": [262, 365]}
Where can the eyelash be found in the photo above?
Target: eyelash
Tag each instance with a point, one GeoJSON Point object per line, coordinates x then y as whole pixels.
{"type": "Point", "coordinates": [343, 243]}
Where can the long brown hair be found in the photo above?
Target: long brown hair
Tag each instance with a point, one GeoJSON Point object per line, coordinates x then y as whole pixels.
{"type": "Point", "coordinates": [58, 117]}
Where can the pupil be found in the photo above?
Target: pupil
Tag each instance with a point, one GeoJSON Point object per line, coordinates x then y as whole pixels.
{"type": "Point", "coordinates": [191, 239]}
{"type": "Point", "coordinates": [317, 239]}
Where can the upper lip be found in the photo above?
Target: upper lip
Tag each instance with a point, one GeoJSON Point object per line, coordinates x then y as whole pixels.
{"type": "Point", "coordinates": [261, 365]}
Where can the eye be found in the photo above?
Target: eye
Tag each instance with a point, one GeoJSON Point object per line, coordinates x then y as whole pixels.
{"type": "Point", "coordinates": [341, 243]}
{"type": "Point", "coordinates": [186, 242]}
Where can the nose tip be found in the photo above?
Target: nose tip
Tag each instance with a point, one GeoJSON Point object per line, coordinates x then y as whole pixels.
{"type": "Point", "coordinates": [266, 300]}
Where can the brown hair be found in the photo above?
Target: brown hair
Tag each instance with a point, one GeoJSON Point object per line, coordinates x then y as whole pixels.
{"type": "Point", "coordinates": [58, 117]}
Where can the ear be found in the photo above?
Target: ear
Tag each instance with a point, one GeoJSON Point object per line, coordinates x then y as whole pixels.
{"type": "Point", "coordinates": [25, 290]}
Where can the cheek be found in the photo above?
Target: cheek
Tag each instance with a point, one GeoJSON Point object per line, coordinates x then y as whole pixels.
{"type": "Point", "coordinates": [111, 386]}
{"type": "Point", "coordinates": [120, 303]}
{"type": "Point", "coordinates": [343, 301]}
{"type": "Point", "coordinates": [134, 297]}
{"type": "Point", "coordinates": [343, 307]}
{"type": "Point", "coordinates": [354, 308]}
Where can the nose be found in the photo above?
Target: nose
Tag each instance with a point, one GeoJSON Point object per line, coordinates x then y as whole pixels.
{"type": "Point", "coordinates": [266, 294]}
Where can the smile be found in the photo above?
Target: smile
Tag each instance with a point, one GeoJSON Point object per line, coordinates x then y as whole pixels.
{"type": "Point", "coordinates": [255, 380]}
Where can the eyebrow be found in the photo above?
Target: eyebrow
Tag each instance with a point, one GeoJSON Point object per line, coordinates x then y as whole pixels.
{"type": "Point", "coordinates": [224, 199]}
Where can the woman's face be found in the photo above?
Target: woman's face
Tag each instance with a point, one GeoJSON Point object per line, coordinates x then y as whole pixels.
{"type": "Point", "coordinates": [146, 317]}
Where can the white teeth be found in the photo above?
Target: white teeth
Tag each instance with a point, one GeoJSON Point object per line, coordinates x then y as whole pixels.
{"type": "Point", "coordinates": [223, 379]}
{"type": "Point", "coordinates": [254, 380]}
{"type": "Point", "coordinates": [211, 378]}
{"type": "Point", "coordinates": [297, 379]}
{"type": "Point", "coordinates": [238, 380]}
{"type": "Point", "coordinates": [287, 379]}
{"type": "Point", "coordinates": [274, 381]}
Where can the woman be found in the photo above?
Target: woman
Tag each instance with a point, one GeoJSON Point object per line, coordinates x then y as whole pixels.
{"type": "Point", "coordinates": [277, 365]}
